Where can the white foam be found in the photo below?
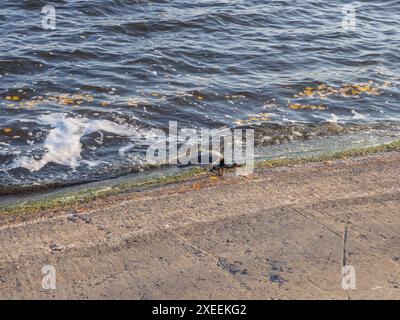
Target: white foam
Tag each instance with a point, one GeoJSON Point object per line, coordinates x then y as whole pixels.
{"type": "Point", "coordinates": [63, 144]}
{"type": "Point", "coordinates": [333, 118]}
{"type": "Point", "coordinates": [358, 116]}
{"type": "Point", "coordinates": [125, 149]}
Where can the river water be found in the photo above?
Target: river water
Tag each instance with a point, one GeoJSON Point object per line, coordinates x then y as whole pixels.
{"type": "Point", "coordinates": [76, 102]}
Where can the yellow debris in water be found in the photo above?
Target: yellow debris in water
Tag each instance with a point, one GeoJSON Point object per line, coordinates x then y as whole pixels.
{"type": "Point", "coordinates": [254, 118]}
{"type": "Point", "coordinates": [299, 106]}
{"type": "Point", "coordinates": [347, 90]}
{"type": "Point", "coordinates": [362, 88]}
{"type": "Point", "coordinates": [63, 99]}
{"type": "Point", "coordinates": [12, 98]}
{"type": "Point", "coordinates": [7, 130]}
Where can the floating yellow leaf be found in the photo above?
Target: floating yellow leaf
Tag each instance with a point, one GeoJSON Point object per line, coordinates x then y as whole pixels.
{"type": "Point", "coordinates": [7, 130]}
{"type": "Point", "coordinates": [361, 88]}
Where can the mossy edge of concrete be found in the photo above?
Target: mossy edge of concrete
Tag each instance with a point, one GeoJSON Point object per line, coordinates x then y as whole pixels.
{"type": "Point", "coordinates": [85, 196]}
{"type": "Point", "coordinates": [330, 156]}
{"type": "Point", "coordinates": [91, 194]}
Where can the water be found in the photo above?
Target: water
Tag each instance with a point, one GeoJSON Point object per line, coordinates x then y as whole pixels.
{"type": "Point", "coordinates": [77, 102]}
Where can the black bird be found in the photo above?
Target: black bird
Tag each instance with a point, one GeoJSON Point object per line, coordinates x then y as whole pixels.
{"type": "Point", "coordinates": [215, 161]}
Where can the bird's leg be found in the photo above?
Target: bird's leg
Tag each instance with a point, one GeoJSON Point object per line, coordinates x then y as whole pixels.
{"type": "Point", "coordinates": [221, 167]}
{"type": "Point", "coordinates": [213, 169]}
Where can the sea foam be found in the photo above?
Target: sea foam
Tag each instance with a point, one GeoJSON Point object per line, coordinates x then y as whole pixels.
{"type": "Point", "coordinates": [62, 143]}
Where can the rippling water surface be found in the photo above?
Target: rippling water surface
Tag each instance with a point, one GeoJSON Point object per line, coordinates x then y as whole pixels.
{"type": "Point", "coordinates": [76, 102]}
